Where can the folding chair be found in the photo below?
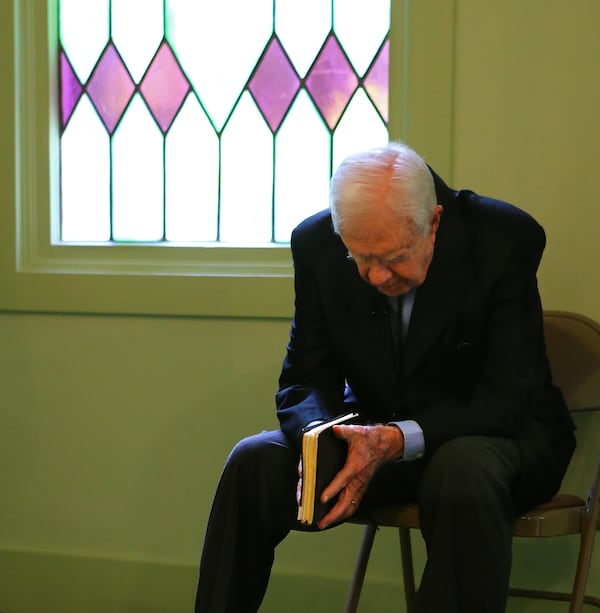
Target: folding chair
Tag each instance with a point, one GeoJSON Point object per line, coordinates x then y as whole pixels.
{"type": "Point", "coordinates": [573, 345]}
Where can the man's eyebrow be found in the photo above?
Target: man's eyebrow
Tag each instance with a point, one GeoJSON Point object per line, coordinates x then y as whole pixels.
{"type": "Point", "coordinates": [396, 254]}
{"type": "Point", "coordinates": [401, 250]}
{"type": "Point", "coordinates": [390, 255]}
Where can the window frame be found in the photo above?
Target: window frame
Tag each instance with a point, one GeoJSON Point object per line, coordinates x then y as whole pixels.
{"type": "Point", "coordinates": [39, 274]}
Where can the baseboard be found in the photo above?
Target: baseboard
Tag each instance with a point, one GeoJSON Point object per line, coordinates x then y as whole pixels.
{"type": "Point", "coordinates": [302, 593]}
{"type": "Point", "coordinates": [41, 582]}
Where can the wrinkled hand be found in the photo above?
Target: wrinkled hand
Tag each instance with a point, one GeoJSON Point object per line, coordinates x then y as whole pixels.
{"type": "Point", "coordinates": [368, 448]}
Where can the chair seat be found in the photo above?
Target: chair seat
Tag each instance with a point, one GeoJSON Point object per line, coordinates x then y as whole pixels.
{"type": "Point", "coordinates": [392, 516]}
{"type": "Point", "coordinates": [559, 516]}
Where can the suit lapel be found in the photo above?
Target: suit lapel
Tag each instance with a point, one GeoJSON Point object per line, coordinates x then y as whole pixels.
{"type": "Point", "coordinates": [436, 304]}
{"type": "Point", "coordinates": [369, 321]}
{"type": "Point", "coordinates": [440, 296]}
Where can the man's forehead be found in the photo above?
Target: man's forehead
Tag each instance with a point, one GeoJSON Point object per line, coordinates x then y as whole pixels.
{"type": "Point", "coordinates": [379, 230]}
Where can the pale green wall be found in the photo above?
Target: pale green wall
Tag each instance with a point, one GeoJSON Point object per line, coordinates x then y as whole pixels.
{"type": "Point", "coordinates": [113, 430]}
{"type": "Point", "coordinates": [527, 127]}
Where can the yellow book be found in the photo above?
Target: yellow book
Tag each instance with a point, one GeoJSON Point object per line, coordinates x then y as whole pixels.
{"type": "Point", "coordinates": [323, 456]}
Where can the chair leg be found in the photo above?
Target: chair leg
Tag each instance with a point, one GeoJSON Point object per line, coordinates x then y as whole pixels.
{"type": "Point", "coordinates": [360, 568]}
{"type": "Point", "coordinates": [583, 564]}
{"type": "Point", "coordinates": [408, 572]}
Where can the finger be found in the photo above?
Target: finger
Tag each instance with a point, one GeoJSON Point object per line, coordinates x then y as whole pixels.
{"type": "Point", "coordinates": [337, 485]}
{"type": "Point", "coordinates": [299, 492]}
{"type": "Point", "coordinates": [343, 432]}
{"type": "Point", "coordinates": [346, 474]}
{"type": "Point", "coordinates": [344, 508]}
{"type": "Point", "coordinates": [335, 515]}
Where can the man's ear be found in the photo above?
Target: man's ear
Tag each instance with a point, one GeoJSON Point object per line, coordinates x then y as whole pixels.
{"type": "Point", "coordinates": [435, 218]}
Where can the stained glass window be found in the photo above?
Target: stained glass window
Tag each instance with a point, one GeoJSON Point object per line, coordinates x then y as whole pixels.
{"type": "Point", "coordinates": [213, 122]}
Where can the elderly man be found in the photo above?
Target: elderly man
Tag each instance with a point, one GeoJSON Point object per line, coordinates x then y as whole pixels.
{"type": "Point", "coordinates": [416, 307]}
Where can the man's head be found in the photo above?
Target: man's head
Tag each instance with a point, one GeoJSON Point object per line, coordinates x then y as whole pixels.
{"type": "Point", "coordinates": [384, 208]}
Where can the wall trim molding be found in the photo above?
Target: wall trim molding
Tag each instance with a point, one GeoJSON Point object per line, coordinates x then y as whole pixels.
{"type": "Point", "coordinates": [40, 275]}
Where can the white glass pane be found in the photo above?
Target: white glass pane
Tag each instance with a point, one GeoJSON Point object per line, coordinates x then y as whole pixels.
{"type": "Point", "coordinates": [302, 28]}
{"type": "Point", "coordinates": [83, 32]}
{"type": "Point", "coordinates": [137, 176]}
{"type": "Point", "coordinates": [137, 29]}
{"type": "Point", "coordinates": [246, 176]}
{"type": "Point", "coordinates": [302, 167]}
{"type": "Point", "coordinates": [218, 45]}
{"type": "Point", "coordinates": [361, 27]}
{"type": "Point", "coordinates": [192, 176]}
{"type": "Point", "coordinates": [85, 177]}
{"type": "Point", "coordinates": [360, 128]}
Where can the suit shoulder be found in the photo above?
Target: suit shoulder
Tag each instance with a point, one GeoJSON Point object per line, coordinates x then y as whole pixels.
{"type": "Point", "coordinates": [313, 230]}
{"type": "Point", "coordinates": [502, 218]}
{"type": "Point", "coordinates": [491, 216]}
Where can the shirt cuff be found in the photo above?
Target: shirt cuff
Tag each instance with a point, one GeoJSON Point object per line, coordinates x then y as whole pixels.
{"type": "Point", "coordinates": [414, 442]}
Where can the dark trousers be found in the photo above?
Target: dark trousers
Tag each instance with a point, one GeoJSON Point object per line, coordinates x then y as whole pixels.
{"type": "Point", "coordinates": [466, 514]}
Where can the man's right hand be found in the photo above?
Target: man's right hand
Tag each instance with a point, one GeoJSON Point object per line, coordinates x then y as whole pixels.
{"type": "Point", "coordinates": [368, 448]}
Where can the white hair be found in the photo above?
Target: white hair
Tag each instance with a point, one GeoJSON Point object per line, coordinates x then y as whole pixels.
{"type": "Point", "coordinates": [394, 176]}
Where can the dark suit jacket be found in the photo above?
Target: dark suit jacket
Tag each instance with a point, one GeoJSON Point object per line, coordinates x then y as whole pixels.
{"type": "Point", "coordinates": [475, 360]}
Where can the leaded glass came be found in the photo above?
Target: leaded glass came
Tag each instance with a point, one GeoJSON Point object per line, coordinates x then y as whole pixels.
{"type": "Point", "coordinates": [213, 122]}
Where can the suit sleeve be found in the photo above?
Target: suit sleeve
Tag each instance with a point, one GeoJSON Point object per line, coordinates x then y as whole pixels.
{"type": "Point", "coordinates": [311, 384]}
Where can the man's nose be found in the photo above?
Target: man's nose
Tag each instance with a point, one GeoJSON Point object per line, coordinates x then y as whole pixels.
{"type": "Point", "coordinates": [379, 274]}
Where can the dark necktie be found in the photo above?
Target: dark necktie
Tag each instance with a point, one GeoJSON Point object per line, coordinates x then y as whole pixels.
{"type": "Point", "coordinates": [399, 340]}
{"type": "Point", "coordinates": [395, 315]}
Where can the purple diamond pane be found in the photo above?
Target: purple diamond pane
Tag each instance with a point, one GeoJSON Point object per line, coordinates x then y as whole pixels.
{"type": "Point", "coordinates": [110, 88]}
{"type": "Point", "coordinates": [331, 82]}
{"type": "Point", "coordinates": [377, 80]}
{"type": "Point", "coordinates": [70, 89]}
{"type": "Point", "coordinates": [274, 84]}
{"type": "Point", "coordinates": [164, 87]}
